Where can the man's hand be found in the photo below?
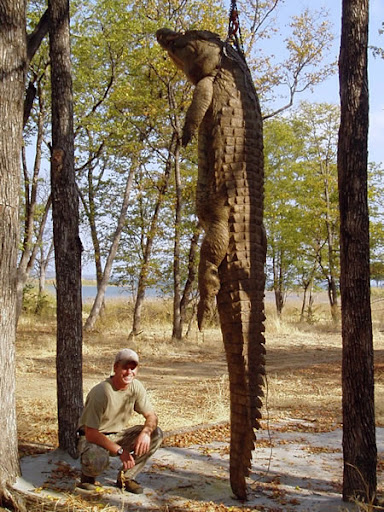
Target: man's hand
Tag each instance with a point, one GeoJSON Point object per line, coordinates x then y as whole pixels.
{"type": "Point", "coordinates": [127, 460]}
{"type": "Point", "coordinates": [142, 443]}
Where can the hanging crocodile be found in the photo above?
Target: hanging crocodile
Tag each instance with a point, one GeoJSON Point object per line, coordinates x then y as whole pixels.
{"type": "Point", "coordinates": [226, 114]}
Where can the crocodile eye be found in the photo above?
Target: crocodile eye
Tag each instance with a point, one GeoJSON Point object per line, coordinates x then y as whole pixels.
{"type": "Point", "coordinates": [181, 45]}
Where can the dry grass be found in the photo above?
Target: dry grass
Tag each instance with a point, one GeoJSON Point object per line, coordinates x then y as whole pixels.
{"type": "Point", "coordinates": [188, 381]}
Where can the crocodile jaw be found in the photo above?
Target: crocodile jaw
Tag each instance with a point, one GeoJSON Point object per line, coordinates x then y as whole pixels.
{"type": "Point", "coordinates": [197, 52]}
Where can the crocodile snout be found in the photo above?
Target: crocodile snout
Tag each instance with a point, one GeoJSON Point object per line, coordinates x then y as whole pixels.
{"type": "Point", "coordinates": [165, 36]}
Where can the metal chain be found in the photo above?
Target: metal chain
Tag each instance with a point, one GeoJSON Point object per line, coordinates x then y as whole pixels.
{"type": "Point", "coordinates": [234, 32]}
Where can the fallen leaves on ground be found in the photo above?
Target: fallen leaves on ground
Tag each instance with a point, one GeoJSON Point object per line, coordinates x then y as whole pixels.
{"type": "Point", "coordinates": [198, 506]}
{"type": "Point", "coordinates": [199, 436]}
{"type": "Point", "coordinates": [60, 475]}
{"type": "Point", "coordinates": [321, 449]}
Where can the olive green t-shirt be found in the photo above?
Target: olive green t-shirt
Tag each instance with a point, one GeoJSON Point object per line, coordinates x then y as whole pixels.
{"type": "Point", "coordinates": [109, 410]}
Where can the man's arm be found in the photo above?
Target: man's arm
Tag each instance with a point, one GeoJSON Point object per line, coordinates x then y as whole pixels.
{"type": "Point", "coordinates": [143, 440]}
{"type": "Point", "coordinates": [150, 422]}
{"type": "Point", "coordinates": [93, 435]}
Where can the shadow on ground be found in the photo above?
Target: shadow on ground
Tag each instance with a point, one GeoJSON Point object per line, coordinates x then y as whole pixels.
{"type": "Point", "coordinates": [291, 471]}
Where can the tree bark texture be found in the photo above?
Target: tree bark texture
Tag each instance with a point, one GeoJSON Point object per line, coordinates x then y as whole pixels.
{"type": "Point", "coordinates": [192, 275]}
{"type": "Point", "coordinates": [359, 440]}
{"type": "Point", "coordinates": [65, 213]}
{"type": "Point", "coordinates": [177, 331]}
{"type": "Point", "coordinates": [12, 70]}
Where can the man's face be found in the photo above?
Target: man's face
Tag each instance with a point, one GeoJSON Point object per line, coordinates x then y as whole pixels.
{"type": "Point", "coordinates": [125, 372]}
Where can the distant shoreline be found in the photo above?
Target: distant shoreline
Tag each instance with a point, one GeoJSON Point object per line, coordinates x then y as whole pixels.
{"type": "Point", "coordinates": [85, 282]}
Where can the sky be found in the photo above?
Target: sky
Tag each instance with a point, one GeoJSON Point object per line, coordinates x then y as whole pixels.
{"type": "Point", "coordinates": [328, 91]}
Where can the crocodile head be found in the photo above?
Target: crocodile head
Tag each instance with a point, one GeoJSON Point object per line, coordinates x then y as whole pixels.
{"type": "Point", "coordinates": [196, 52]}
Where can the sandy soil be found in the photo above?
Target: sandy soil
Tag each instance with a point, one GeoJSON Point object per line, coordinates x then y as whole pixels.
{"type": "Point", "coordinates": [291, 471]}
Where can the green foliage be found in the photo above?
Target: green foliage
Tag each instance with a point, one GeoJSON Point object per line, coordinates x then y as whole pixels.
{"type": "Point", "coordinates": [302, 64]}
{"type": "Point", "coordinates": [301, 199]}
{"type": "Point", "coordinates": [282, 150]}
{"type": "Point", "coordinates": [377, 271]}
{"type": "Point", "coordinates": [39, 304]}
{"type": "Point", "coordinates": [129, 102]}
{"type": "Point", "coordinates": [376, 219]}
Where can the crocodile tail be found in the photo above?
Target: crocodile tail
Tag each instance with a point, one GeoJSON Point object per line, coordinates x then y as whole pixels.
{"type": "Point", "coordinates": [241, 319]}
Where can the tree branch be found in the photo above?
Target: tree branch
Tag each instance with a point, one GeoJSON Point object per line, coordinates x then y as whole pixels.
{"type": "Point", "coordinates": [34, 39]}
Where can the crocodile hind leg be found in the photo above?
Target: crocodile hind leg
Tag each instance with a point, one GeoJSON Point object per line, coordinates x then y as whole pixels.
{"type": "Point", "coordinates": [213, 250]}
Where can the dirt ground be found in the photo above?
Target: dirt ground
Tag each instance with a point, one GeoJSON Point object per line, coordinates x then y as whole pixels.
{"type": "Point", "coordinates": [297, 463]}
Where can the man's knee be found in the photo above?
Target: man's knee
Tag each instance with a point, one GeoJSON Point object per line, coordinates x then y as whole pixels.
{"type": "Point", "coordinates": [94, 460]}
{"type": "Point", "coordinates": [157, 437]}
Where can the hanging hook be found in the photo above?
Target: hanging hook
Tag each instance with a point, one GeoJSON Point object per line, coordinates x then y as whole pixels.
{"type": "Point", "coordinates": [234, 32]}
{"type": "Point", "coordinates": [233, 26]}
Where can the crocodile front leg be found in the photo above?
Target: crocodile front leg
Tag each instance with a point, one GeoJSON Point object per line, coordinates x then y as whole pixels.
{"type": "Point", "coordinates": [210, 204]}
{"type": "Point", "coordinates": [201, 101]}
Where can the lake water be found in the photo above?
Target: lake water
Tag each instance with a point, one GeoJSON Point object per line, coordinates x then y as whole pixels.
{"type": "Point", "coordinates": [112, 292]}
{"type": "Point", "coordinates": [120, 292]}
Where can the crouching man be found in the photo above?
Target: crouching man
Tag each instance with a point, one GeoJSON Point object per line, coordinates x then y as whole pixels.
{"type": "Point", "coordinates": [103, 426]}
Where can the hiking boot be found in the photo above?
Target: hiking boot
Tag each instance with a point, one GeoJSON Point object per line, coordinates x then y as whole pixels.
{"type": "Point", "coordinates": [87, 483]}
{"type": "Point", "coordinates": [130, 486]}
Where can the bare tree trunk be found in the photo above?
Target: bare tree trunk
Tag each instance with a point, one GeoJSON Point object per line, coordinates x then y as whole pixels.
{"type": "Point", "coordinates": [44, 262]}
{"type": "Point", "coordinates": [304, 303]}
{"type": "Point", "coordinates": [177, 332]}
{"type": "Point", "coordinates": [65, 213]}
{"type": "Point", "coordinates": [142, 284]}
{"type": "Point", "coordinates": [332, 295]}
{"type": "Point", "coordinates": [278, 283]}
{"type": "Point", "coordinates": [279, 293]}
{"type": "Point", "coordinates": [29, 249]}
{"type": "Point", "coordinates": [13, 58]}
{"type": "Point", "coordinates": [359, 437]}
{"type": "Point", "coordinates": [102, 285]}
{"type": "Point", "coordinates": [192, 274]}
{"type": "Point", "coordinates": [90, 210]}
{"type": "Point", "coordinates": [332, 287]}
{"type": "Point", "coordinates": [310, 306]}
{"type": "Point", "coordinates": [307, 284]}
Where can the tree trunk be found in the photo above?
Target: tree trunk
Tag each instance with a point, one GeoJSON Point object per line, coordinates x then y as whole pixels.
{"type": "Point", "coordinates": [65, 213]}
{"type": "Point", "coordinates": [332, 287]}
{"type": "Point", "coordinates": [90, 210]}
{"type": "Point", "coordinates": [359, 439]}
{"type": "Point", "coordinates": [192, 274]}
{"type": "Point", "coordinates": [43, 265]}
{"type": "Point", "coordinates": [102, 285]}
{"type": "Point", "coordinates": [142, 284]}
{"type": "Point", "coordinates": [332, 295]}
{"type": "Point", "coordinates": [29, 249]}
{"type": "Point", "coordinates": [304, 303]}
{"type": "Point", "coordinates": [12, 69]}
{"type": "Point", "coordinates": [177, 332]}
{"type": "Point", "coordinates": [278, 283]}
